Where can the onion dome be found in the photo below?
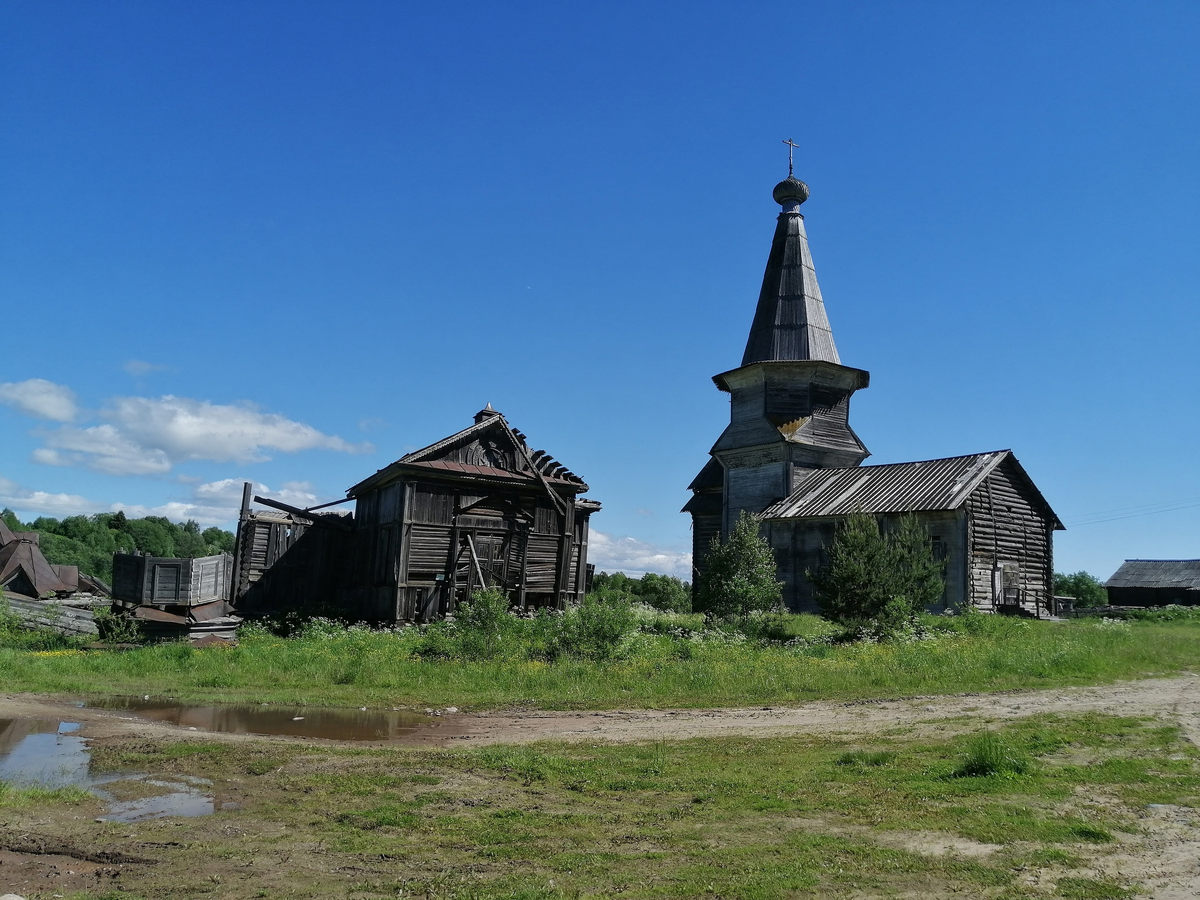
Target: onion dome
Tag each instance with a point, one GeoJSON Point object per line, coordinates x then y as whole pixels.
{"type": "Point", "coordinates": [790, 192]}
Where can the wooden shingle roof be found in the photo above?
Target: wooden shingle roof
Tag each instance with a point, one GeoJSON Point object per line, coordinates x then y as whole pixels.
{"type": "Point", "coordinates": [790, 321]}
{"type": "Point", "coordinates": [531, 465]}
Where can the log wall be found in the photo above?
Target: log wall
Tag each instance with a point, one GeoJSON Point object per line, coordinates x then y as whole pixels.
{"type": "Point", "coordinates": [1011, 563]}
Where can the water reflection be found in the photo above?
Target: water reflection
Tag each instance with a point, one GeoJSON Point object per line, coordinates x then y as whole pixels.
{"type": "Point", "coordinates": [42, 753]}
{"type": "Point", "coordinates": [303, 721]}
{"type": "Point", "coordinates": [46, 753]}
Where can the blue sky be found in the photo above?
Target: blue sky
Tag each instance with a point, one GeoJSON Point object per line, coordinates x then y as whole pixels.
{"type": "Point", "coordinates": [289, 242]}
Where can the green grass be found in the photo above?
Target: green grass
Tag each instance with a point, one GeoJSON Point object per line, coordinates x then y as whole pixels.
{"type": "Point", "coordinates": [357, 667]}
{"type": "Point", "coordinates": [713, 817]}
{"type": "Point", "coordinates": [988, 754]}
{"type": "Point", "coordinates": [24, 797]}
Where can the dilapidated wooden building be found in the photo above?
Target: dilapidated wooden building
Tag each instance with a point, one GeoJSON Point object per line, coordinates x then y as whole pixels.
{"type": "Point", "coordinates": [790, 457]}
{"type": "Point", "coordinates": [477, 509]}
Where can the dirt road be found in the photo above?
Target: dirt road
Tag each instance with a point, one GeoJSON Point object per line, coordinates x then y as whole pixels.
{"type": "Point", "coordinates": [1174, 699]}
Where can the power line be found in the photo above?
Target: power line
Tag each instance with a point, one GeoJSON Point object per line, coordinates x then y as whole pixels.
{"type": "Point", "coordinates": [1098, 518]}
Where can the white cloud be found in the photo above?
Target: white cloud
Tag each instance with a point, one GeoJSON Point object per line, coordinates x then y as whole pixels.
{"type": "Point", "coordinates": [25, 501]}
{"type": "Point", "coordinates": [41, 399]}
{"type": "Point", "coordinates": [197, 429]}
{"type": "Point", "coordinates": [102, 448]}
{"type": "Point", "coordinates": [147, 436]}
{"type": "Point", "coordinates": [633, 557]}
{"type": "Point", "coordinates": [213, 503]}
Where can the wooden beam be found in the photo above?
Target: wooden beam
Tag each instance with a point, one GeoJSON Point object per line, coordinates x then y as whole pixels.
{"type": "Point", "coordinates": [475, 559]}
{"type": "Point", "coordinates": [330, 503]}
{"type": "Point", "coordinates": [304, 514]}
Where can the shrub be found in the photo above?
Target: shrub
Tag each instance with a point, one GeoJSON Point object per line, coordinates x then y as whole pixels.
{"type": "Point", "coordinates": [877, 581]}
{"type": "Point", "coordinates": [665, 592]}
{"type": "Point", "coordinates": [117, 628]}
{"type": "Point", "coordinates": [1087, 590]}
{"type": "Point", "coordinates": [739, 575]}
{"type": "Point", "coordinates": [594, 630]}
{"type": "Point", "coordinates": [485, 629]}
{"type": "Point", "coordinates": [482, 624]}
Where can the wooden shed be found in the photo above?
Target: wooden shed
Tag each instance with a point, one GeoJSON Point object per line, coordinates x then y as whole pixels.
{"type": "Point", "coordinates": [1155, 582]}
{"type": "Point", "coordinates": [479, 508]}
{"type": "Point", "coordinates": [174, 597]}
{"type": "Point", "coordinates": [987, 521]}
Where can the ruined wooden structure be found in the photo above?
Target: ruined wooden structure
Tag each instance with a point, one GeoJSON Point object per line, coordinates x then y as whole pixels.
{"type": "Point", "coordinates": [25, 571]}
{"type": "Point", "coordinates": [1155, 582]}
{"type": "Point", "coordinates": [172, 597]}
{"type": "Point", "coordinates": [290, 559]}
{"type": "Point", "coordinates": [477, 509]}
{"type": "Point", "coordinates": [790, 457]}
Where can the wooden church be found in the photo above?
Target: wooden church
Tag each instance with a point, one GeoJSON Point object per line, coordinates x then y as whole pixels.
{"type": "Point", "coordinates": [790, 457]}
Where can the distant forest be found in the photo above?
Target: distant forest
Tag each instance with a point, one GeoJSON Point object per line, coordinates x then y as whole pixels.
{"type": "Point", "coordinates": [90, 541]}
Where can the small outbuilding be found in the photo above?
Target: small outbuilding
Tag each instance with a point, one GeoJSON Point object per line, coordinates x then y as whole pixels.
{"type": "Point", "coordinates": [25, 571]}
{"type": "Point", "coordinates": [1155, 582]}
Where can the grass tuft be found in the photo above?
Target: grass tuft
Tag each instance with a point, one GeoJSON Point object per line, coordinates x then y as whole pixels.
{"type": "Point", "coordinates": [987, 754]}
{"type": "Point", "coordinates": [867, 758]}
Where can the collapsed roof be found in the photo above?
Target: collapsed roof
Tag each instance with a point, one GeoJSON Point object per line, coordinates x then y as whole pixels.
{"type": "Point", "coordinates": [24, 570]}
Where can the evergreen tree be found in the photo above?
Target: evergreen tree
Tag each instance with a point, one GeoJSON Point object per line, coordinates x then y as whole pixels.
{"type": "Point", "coordinates": [876, 580]}
{"type": "Point", "coordinates": [739, 575]}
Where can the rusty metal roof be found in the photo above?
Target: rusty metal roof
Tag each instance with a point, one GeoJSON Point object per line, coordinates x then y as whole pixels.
{"type": "Point", "coordinates": [931, 484]}
{"type": "Point", "coordinates": [1157, 573]}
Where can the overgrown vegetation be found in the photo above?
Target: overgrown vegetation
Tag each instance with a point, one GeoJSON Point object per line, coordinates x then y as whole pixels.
{"type": "Point", "coordinates": [603, 657]}
{"type": "Point", "coordinates": [878, 582]}
{"type": "Point", "coordinates": [1087, 590]}
{"type": "Point", "coordinates": [484, 629]}
{"type": "Point", "coordinates": [90, 541]}
{"type": "Point", "coordinates": [739, 575]}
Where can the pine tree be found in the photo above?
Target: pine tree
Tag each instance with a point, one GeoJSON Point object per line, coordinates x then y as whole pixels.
{"type": "Point", "coordinates": [875, 580]}
{"type": "Point", "coordinates": [739, 575]}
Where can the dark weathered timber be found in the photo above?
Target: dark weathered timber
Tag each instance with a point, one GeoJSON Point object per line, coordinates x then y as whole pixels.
{"type": "Point", "coordinates": [476, 509]}
{"type": "Point", "coordinates": [790, 457]}
{"type": "Point", "coordinates": [1155, 582]}
{"type": "Point", "coordinates": [169, 581]}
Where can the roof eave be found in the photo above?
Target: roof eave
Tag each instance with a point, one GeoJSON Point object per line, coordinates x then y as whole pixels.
{"type": "Point", "coordinates": [862, 376]}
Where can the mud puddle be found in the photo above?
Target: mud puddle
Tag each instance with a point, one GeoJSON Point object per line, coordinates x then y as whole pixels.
{"type": "Point", "coordinates": [301, 721]}
{"type": "Point", "coordinates": [51, 754]}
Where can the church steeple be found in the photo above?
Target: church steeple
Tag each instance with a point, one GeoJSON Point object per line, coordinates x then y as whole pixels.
{"type": "Point", "coordinates": [789, 409]}
{"type": "Point", "coordinates": [790, 322]}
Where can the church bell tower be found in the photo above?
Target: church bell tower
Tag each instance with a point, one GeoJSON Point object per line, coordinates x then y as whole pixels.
{"type": "Point", "coordinates": [790, 397]}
